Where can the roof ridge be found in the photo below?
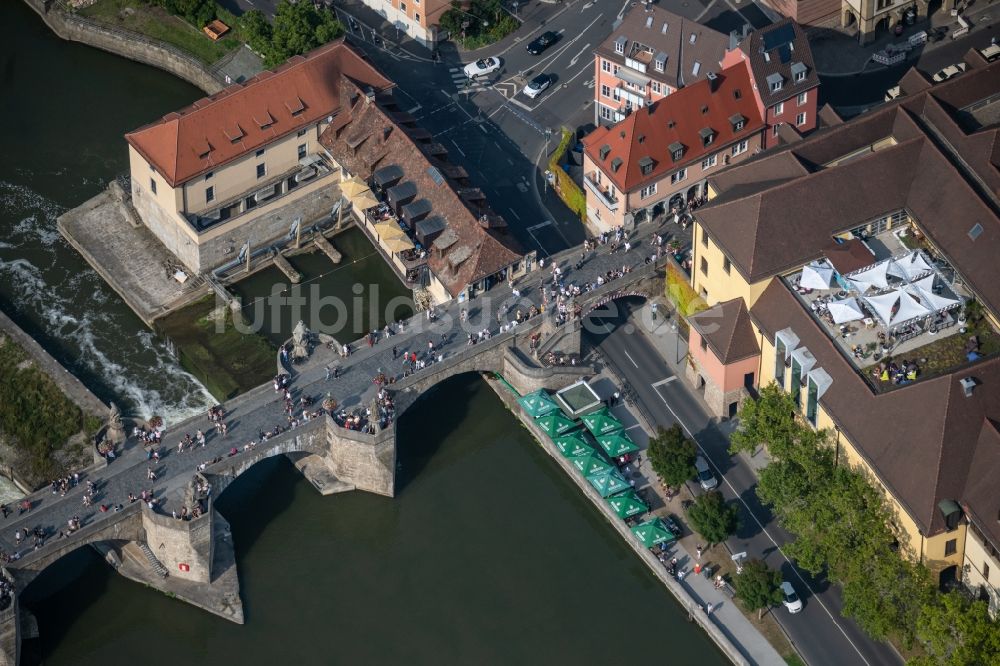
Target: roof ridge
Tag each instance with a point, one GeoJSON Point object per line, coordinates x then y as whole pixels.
{"type": "Point", "coordinates": [940, 440]}
{"type": "Point", "coordinates": [736, 325]}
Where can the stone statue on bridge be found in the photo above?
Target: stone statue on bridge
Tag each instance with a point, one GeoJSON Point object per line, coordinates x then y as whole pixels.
{"type": "Point", "coordinates": [115, 432]}
{"type": "Point", "coordinates": [301, 339]}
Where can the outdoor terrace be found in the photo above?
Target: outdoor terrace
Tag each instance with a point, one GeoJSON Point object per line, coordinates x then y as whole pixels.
{"type": "Point", "coordinates": [907, 308]}
{"type": "Point", "coordinates": [601, 192]}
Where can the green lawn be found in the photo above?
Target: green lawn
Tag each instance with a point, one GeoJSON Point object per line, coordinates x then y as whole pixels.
{"type": "Point", "coordinates": [156, 23]}
{"type": "Point", "coordinates": [34, 412]}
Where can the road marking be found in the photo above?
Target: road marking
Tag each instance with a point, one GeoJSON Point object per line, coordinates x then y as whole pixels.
{"type": "Point", "coordinates": [763, 529]}
{"type": "Point", "coordinates": [589, 83]}
{"type": "Point", "coordinates": [541, 225]}
{"type": "Point", "coordinates": [458, 147]}
{"type": "Point", "coordinates": [514, 213]}
{"type": "Point", "coordinates": [633, 427]}
{"type": "Point", "coordinates": [621, 12]}
{"type": "Point", "coordinates": [575, 58]}
{"type": "Point", "coordinates": [630, 359]}
{"type": "Point", "coordinates": [414, 109]}
{"type": "Point", "coordinates": [521, 104]}
{"type": "Point", "coordinates": [586, 6]}
{"type": "Point", "coordinates": [485, 131]}
{"type": "Point", "coordinates": [664, 381]}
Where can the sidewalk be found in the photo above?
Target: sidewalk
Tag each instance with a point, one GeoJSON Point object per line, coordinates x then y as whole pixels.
{"type": "Point", "coordinates": [836, 52]}
{"type": "Point", "coordinates": [725, 614]}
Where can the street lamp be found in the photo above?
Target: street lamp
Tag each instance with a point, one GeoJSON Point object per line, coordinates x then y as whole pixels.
{"type": "Point", "coordinates": [677, 341]}
{"type": "Point", "coordinates": [548, 133]}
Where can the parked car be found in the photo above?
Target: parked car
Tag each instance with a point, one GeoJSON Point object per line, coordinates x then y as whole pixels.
{"type": "Point", "coordinates": [892, 93]}
{"type": "Point", "coordinates": [949, 71]}
{"type": "Point", "coordinates": [790, 598]}
{"type": "Point", "coordinates": [542, 42]}
{"type": "Point", "coordinates": [705, 476]}
{"type": "Point", "coordinates": [991, 52]}
{"type": "Point", "coordinates": [537, 85]}
{"type": "Point", "coordinates": [482, 67]}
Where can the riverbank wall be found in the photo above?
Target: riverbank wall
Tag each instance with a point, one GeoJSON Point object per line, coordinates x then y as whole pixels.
{"type": "Point", "coordinates": [127, 44]}
{"type": "Point", "coordinates": [722, 641]}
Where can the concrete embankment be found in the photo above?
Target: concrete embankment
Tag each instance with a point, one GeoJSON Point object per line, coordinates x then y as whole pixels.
{"type": "Point", "coordinates": [718, 636]}
{"type": "Point", "coordinates": [127, 44]}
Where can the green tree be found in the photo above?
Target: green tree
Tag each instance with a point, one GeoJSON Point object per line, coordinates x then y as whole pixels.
{"type": "Point", "coordinates": [298, 28]}
{"type": "Point", "coordinates": [758, 587]}
{"type": "Point", "coordinates": [957, 632]}
{"type": "Point", "coordinates": [256, 31]}
{"type": "Point", "coordinates": [712, 517]}
{"type": "Point", "coordinates": [672, 455]}
{"type": "Point", "coordinates": [769, 420]}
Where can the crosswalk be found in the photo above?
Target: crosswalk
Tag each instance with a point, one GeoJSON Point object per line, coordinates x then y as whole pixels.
{"type": "Point", "coordinates": [462, 82]}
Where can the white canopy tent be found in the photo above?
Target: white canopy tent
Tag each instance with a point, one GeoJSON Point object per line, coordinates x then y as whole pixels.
{"type": "Point", "coordinates": [909, 267]}
{"type": "Point", "coordinates": [874, 276]}
{"type": "Point", "coordinates": [906, 307]}
{"type": "Point", "coordinates": [845, 310]}
{"type": "Point", "coordinates": [923, 290]}
{"type": "Point", "coordinates": [817, 275]}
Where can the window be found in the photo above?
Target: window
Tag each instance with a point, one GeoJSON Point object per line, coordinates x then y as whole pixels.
{"type": "Point", "coordinates": [402, 7]}
{"type": "Point", "coordinates": [301, 133]}
{"type": "Point", "coordinates": [802, 98]}
{"type": "Point", "coordinates": [779, 108]}
{"type": "Point", "coordinates": [620, 45]}
{"type": "Point", "coordinates": [882, 4]}
{"type": "Point", "coordinates": [615, 68]}
{"type": "Point", "coordinates": [704, 344]}
{"type": "Point", "coordinates": [776, 86]}
{"type": "Point", "coordinates": [659, 64]}
{"type": "Point", "coordinates": [986, 572]}
{"type": "Point", "coordinates": [775, 129]}
{"type": "Point", "coordinates": [416, 16]}
{"type": "Point", "coordinates": [779, 362]}
{"type": "Point", "coordinates": [209, 175]}
{"type": "Point", "coordinates": [709, 162]}
{"type": "Point", "coordinates": [726, 265]}
{"type": "Point", "coordinates": [607, 113]}
{"type": "Point", "coordinates": [261, 170]}
{"type": "Point", "coordinates": [812, 398]}
{"type": "Point", "coordinates": [209, 194]}
{"type": "Point", "coordinates": [704, 237]}
{"type": "Point", "coordinates": [302, 150]}
{"type": "Point", "coordinates": [597, 213]}
{"type": "Point", "coordinates": [704, 294]}
{"type": "Point", "coordinates": [605, 90]}
{"type": "Point", "coordinates": [152, 185]}
{"type": "Point", "coordinates": [740, 147]}
{"type": "Point", "coordinates": [647, 191]}
{"type": "Point", "coordinates": [800, 119]}
{"type": "Point", "coordinates": [678, 176]}
{"type": "Point", "coordinates": [796, 387]}
{"type": "Point", "coordinates": [800, 76]}
{"type": "Point", "coordinates": [655, 86]}
{"type": "Point", "coordinates": [605, 65]}
{"type": "Point", "coordinates": [260, 153]}
{"type": "Point", "coordinates": [704, 266]}
{"type": "Point", "coordinates": [950, 547]}
{"type": "Point", "coordinates": [738, 125]}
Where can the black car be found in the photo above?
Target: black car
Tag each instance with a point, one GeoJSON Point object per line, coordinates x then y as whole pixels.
{"type": "Point", "coordinates": [542, 42]}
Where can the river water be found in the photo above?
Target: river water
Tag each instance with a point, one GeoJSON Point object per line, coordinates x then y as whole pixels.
{"type": "Point", "coordinates": [488, 554]}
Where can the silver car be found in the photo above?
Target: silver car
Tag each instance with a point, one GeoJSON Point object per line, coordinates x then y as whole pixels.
{"type": "Point", "coordinates": [705, 476]}
{"type": "Point", "coordinates": [790, 598]}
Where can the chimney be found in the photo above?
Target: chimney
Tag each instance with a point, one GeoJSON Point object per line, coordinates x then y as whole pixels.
{"type": "Point", "coordinates": [734, 39]}
{"type": "Point", "coordinates": [713, 82]}
{"type": "Point", "coordinates": [369, 96]}
{"type": "Point", "coordinates": [968, 383]}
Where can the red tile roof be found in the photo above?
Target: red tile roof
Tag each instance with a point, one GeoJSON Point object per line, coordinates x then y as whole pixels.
{"type": "Point", "coordinates": [244, 117]}
{"type": "Point", "coordinates": [678, 118]}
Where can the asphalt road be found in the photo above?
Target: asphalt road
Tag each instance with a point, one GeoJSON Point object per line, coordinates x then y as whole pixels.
{"type": "Point", "coordinates": [819, 632]}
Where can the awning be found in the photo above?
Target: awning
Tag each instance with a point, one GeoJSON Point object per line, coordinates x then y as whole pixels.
{"type": "Point", "coordinates": [909, 267]}
{"type": "Point", "coordinates": [617, 444]}
{"type": "Point", "coordinates": [538, 404]}
{"type": "Point", "coordinates": [555, 424]}
{"type": "Point", "coordinates": [397, 244]}
{"type": "Point", "coordinates": [573, 445]}
{"type": "Point", "coordinates": [365, 200]}
{"type": "Point", "coordinates": [591, 465]}
{"type": "Point", "coordinates": [386, 230]}
{"type": "Point", "coordinates": [602, 423]}
{"type": "Point", "coordinates": [805, 359]}
{"type": "Point", "coordinates": [896, 307]}
{"type": "Point", "coordinates": [352, 187]}
{"type": "Point", "coordinates": [923, 289]}
{"type": "Point", "coordinates": [876, 276]}
{"type": "Point", "coordinates": [653, 532]}
{"type": "Point", "coordinates": [817, 275]}
{"type": "Point", "coordinates": [608, 483]}
{"type": "Point", "coordinates": [630, 76]}
{"type": "Point", "coordinates": [845, 310]}
{"type": "Point", "coordinates": [627, 504]}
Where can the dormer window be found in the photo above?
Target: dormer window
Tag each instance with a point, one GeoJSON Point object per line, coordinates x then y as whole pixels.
{"type": "Point", "coordinates": [707, 135]}
{"type": "Point", "coordinates": [616, 164]}
{"type": "Point", "coordinates": [620, 45]}
{"type": "Point", "coordinates": [642, 138]}
{"type": "Point", "coordinates": [660, 62]}
{"type": "Point", "coordinates": [676, 151]}
{"type": "Point", "coordinates": [605, 149]}
{"type": "Point", "coordinates": [738, 122]}
{"type": "Point", "coordinates": [799, 71]}
{"type": "Point", "coordinates": [775, 81]}
{"type": "Point", "coordinates": [646, 166]}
